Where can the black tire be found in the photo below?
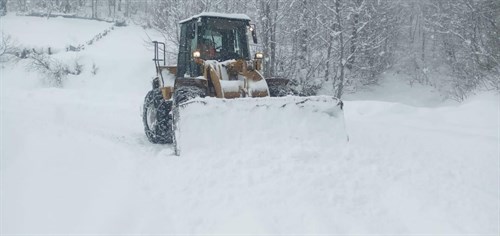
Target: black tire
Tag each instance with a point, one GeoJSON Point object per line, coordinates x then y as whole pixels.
{"type": "Point", "coordinates": [157, 118]}
{"type": "Point", "coordinates": [186, 93]}
{"type": "Point", "coordinates": [280, 91]}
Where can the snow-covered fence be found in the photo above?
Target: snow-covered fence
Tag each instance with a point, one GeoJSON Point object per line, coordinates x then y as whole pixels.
{"type": "Point", "coordinates": [78, 48]}
{"type": "Point", "coordinates": [25, 52]}
{"type": "Point", "coordinates": [100, 35]}
{"type": "Point", "coordinates": [65, 15]}
{"type": "Point", "coordinates": [96, 38]}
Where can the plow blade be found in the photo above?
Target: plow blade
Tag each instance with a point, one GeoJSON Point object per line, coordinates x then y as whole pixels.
{"type": "Point", "coordinates": [236, 125]}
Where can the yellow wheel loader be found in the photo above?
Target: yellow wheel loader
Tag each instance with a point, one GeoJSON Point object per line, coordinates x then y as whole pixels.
{"type": "Point", "coordinates": [216, 71]}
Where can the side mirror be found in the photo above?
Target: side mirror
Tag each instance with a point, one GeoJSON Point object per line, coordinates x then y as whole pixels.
{"type": "Point", "coordinates": [254, 32]}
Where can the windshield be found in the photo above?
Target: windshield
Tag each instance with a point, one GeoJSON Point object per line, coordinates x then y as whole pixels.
{"type": "Point", "coordinates": [222, 39]}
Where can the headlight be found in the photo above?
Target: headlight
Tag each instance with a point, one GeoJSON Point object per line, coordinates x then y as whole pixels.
{"type": "Point", "coordinates": [196, 54]}
{"type": "Point", "coordinates": [259, 55]}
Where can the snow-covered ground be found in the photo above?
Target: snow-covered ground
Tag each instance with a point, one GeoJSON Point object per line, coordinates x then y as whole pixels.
{"type": "Point", "coordinates": [57, 33]}
{"type": "Point", "coordinates": [75, 160]}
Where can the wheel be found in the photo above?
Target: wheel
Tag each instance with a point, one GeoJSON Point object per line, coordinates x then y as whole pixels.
{"type": "Point", "coordinates": [157, 118]}
{"type": "Point", "coordinates": [279, 90]}
{"type": "Point", "coordinates": [186, 93]}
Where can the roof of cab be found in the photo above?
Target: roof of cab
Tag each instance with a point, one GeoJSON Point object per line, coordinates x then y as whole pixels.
{"type": "Point", "coordinates": [217, 15]}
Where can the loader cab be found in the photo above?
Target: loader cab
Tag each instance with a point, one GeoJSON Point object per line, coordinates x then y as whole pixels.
{"type": "Point", "coordinates": [215, 36]}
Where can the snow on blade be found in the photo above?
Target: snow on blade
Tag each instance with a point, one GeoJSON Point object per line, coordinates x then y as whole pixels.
{"type": "Point", "coordinates": [235, 125]}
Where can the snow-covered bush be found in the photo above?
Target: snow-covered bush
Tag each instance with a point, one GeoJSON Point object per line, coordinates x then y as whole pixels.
{"type": "Point", "coordinates": [53, 71]}
{"type": "Point", "coordinates": [94, 69]}
{"type": "Point", "coordinates": [120, 23]}
{"type": "Point", "coordinates": [305, 86]}
{"type": "Point", "coordinates": [8, 48]}
{"type": "Point", "coordinates": [77, 67]}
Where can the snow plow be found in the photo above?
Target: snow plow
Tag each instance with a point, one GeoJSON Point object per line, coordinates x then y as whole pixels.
{"type": "Point", "coordinates": [216, 95]}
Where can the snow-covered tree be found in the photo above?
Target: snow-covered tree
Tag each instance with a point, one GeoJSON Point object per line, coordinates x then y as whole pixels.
{"type": "Point", "coordinates": [3, 7]}
{"type": "Point", "coordinates": [453, 45]}
{"type": "Point", "coordinates": [335, 46]}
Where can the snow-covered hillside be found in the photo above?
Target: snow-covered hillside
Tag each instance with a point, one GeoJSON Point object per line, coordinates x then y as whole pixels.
{"type": "Point", "coordinates": [75, 160]}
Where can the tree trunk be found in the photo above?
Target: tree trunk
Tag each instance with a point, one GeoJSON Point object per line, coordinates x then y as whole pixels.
{"type": "Point", "coordinates": [303, 35]}
{"type": "Point", "coordinates": [22, 5]}
{"type": "Point", "coordinates": [266, 31]}
{"type": "Point", "coordinates": [94, 13]}
{"type": "Point", "coordinates": [3, 7]}
{"type": "Point", "coordinates": [272, 46]}
{"type": "Point", "coordinates": [127, 8]}
{"type": "Point", "coordinates": [329, 57]}
{"type": "Point", "coordinates": [110, 2]}
{"type": "Point", "coordinates": [67, 7]}
{"type": "Point", "coordinates": [354, 34]}
{"type": "Point", "coordinates": [340, 82]}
